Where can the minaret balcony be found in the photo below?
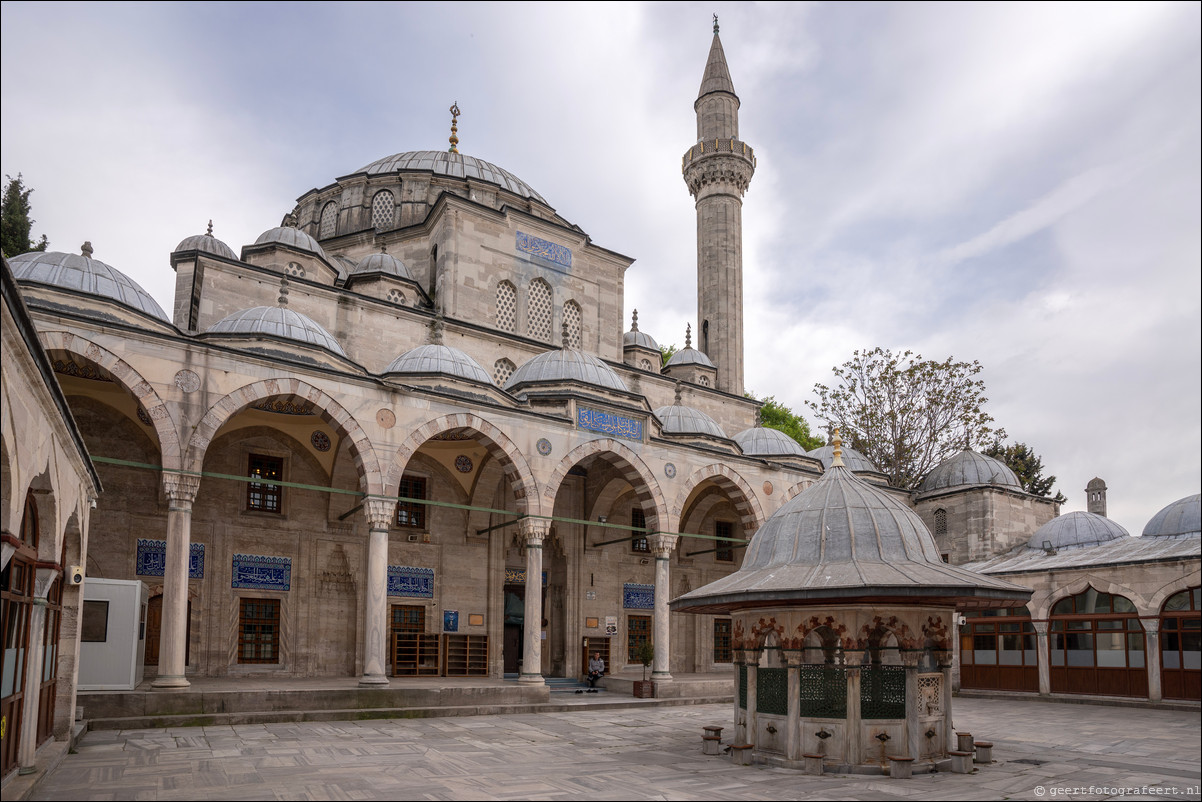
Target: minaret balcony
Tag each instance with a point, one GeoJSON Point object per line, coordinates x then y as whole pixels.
{"type": "Point", "coordinates": [713, 147]}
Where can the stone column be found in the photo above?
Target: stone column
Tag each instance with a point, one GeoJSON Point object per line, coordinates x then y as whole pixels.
{"type": "Point", "coordinates": [662, 546]}
{"type": "Point", "coordinates": [28, 744]}
{"type": "Point", "coordinates": [949, 732]}
{"type": "Point", "coordinates": [739, 719]}
{"type": "Point", "coordinates": [913, 745]}
{"type": "Point", "coordinates": [753, 671]}
{"type": "Point", "coordinates": [793, 659]}
{"type": "Point", "coordinates": [532, 532]}
{"type": "Point", "coordinates": [854, 753]}
{"type": "Point", "coordinates": [181, 492]}
{"type": "Point", "coordinates": [1152, 658]}
{"type": "Point", "coordinates": [379, 513]}
{"type": "Point", "coordinates": [1044, 657]}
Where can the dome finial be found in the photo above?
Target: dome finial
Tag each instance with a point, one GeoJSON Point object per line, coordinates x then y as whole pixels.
{"type": "Point", "coordinates": [634, 321]}
{"type": "Point", "coordinates": [678, 392]}
{"type": "Point", "coordinates": [86, 249]}
{"type": "Point", "coordinates": [715, 25]}
{"type": "Point", "coordinates": [436, 329]}
{"type": "Point", "coordinates": [759, 416]}
{"type": "Point", "coordinates": [209, 233]}
{"type": "Point", "coordinates": [837, 462]}
{"type": "Point", "coordinates": [688, 335]}
{"type": "Point", "coordinates": [454, 140]}
{"type": "Point", "coordinates": [567, 340]}
{"type": "Point", "coordinates": [283, 299]}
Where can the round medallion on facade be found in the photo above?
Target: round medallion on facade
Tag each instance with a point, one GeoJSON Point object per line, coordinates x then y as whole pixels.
{"type": "Point", "coordinates": [187, 380]}
{"type": "Point", "coordinates": [767, 488]}
{"type": "Point", "coordinates": [386, 419]}
{"type": "Point", "coordinates": [320, 440]}
{"type": "Point", "coordinates": [463, 463]}
{"type": "Point", "coordinates": [544, 446]}
{"type": "Point", "coordinates": [670, 471]}
{"type": "Point", "coordinates": [142, 416]}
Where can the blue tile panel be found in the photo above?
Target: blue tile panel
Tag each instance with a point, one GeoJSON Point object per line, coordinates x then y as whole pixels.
{"type": "Point", "coordinates": [450, 621]}
{"type": "Point", "coordinates": [594, 420]}
{"type": "Point", "coordinates": [543, 249]}
{"type": "Point", "coordinates": [408, 580]}
{"type": "Point", "coordinates": [152, 559]}
{"type": "Point", "coordinates": [517, 576]}
{"type": "Point", "coordinates": [638, 597]}
{"type": "Point", "coordinates": [262, 573]}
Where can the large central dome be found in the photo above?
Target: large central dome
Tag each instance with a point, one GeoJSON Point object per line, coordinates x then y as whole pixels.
{"type": "Point", "coordinates": [455, 165]}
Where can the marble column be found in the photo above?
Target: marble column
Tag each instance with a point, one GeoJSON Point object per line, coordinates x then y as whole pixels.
{"type": "Point", "coordinates": [662, 546]}
{"type": "Point", "coordinates": [1044, 657]}
{"type": "Point", "coordinates": [1152, 658]}
{"type": "Point", "coordinates": [181, 492]}
{"type": "Point", "coordinates": [793, 659]}
{"type": "Point", "coordinates": [753, 672]}
{"type": "Point", "coordinates": [27, 746]}
{"type": "Point", "coordinates": [533, 531]}
{"type": "Point", "coordinates": [913, 745]}
{"type": "Point", "coordinates": [853, 753]}
{"type": "Point", "coordinates": [379, 513]}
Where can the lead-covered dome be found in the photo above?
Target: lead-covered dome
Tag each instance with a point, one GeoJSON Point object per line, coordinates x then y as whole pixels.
{"type": "Point", "coordinates": [638, 339]}
{"type": "Point", "coordinates": [442, 359]}
{"type": "Point", "coordinates": [83, 273]}
{"type": "Point", "coordinates": [455, 165]}
{"type": "Point", "coordinates": [970, 468]}
{"type": "Point", "coordinates": [764, 441]}
{"type": "Point", "coordinates": [851, 458]}
{"type": "Point", "coordinates": [690, 356]}
{"type": "Point", "coordinates": [382, 263]}
{"type": "Point", "coordinates": [278, 321]}
{"type": "Point", "coordinates": [207, 243]}
{"type": "Point", "coordinates": [566, 365]}
{"type": "Point", "coordinates": [1182, 517]}
{"type": "Point", "coordinates": [679, 419]}
{"type": "Point", "coordinates": [293, 238]}
{"type": "Point", "coordinates": [1076, 529]}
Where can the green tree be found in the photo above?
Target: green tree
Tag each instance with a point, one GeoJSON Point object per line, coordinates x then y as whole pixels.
{"type": "Point", "coordinates": [1027, 466]}
{"type": "Point", "coordinates": [666, 352]}
{"type": "Point", "coordinates": [776, 415]}
{"type": "Point", "coordinates": [904, 413]}
{"type": "Point", "coordinates": [15, 222]}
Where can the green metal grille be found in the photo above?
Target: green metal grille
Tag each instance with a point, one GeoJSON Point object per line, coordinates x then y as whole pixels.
{"type": "Point", "coordinates": [772, 691]}
{"type": "Point", "coordinates": [742, 686]}
{"type": "Point", "coordinates": [823, 692]}
{"type": "Point", "coordinates": [883, 692]}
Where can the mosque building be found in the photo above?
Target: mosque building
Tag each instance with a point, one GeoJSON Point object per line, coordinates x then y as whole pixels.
{"type": "Point", "coordinates": [407, 433]}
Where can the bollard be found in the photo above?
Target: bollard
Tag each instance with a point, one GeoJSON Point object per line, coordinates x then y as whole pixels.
{"type": "Point", "coordinates": [814, 764]}
{"type": "Point", "coordinates": [740, 754]}
{"type": "Point", "coordinates": [961, 762]}
{"type": "Point", "coordinates": [901, 768]}
{"type": "Point", "coordinates": [984, 752]}
{"type": "Point", "coordinates": [964, 741]}
{"type": "Point", "coordinates": [711, 744]}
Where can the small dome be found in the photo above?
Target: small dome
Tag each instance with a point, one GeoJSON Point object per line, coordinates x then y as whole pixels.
{"type": "Point", "coordinates": [455, 165]}
{"type": "Point", "coordinates": [1076, 529]}
{"type": "Point", "coordinates": [853, 459]}
{"type": "Point", "coordinates": [439, 359]}
{"type": "Point", "coordinates": [566, 365]}
{"type": "Point", "coordinates": [764, 441]}
{"type": "Point", "coordinates": [970, 468]}
{"type": "Point", "coordinates": [207, 243]}
{"type": "Point", "coordinates": [278, 321]}
{"type": "Point", "coordinates": [85, 274]}
{"type": "Point", "coordinates": [1179, 518]}
{"type": "Point", "coordinates": [293, 238]}
{"type": "Point", "coordinates": [690, 356]}
{"type": "Point", "coordinates": [637, 339]}
{"type": "Point", "coordinates": [382, 263]}
{"type": "Point", "coordinates": [678, 419]}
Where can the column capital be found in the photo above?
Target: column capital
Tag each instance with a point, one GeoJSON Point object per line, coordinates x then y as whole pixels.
{"type": "Point", "coordinates": [1150, 625]}
{"type": "Point", "coordinates": [662, 545]}
{"type": "Point", "coordinates": [181, 488]}
{"type": "Point", "coordinates": [533, 531]}
{"type": "Point", "coordinates": [379, 513]}
{"type": "Point", "coordinates": [1041, 628]}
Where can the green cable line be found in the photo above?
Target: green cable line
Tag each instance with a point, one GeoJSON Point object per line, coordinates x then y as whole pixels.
{"type": "Point", "coordinates": [517, 516]}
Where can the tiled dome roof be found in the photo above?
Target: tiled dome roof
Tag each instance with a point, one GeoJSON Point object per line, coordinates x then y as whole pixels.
{"type": "Point", "coordinates": [764, 441]}
{"type": "Point", "coordinates": [851, 458]}
{"type": "Point", "coordinates": [678, 419]}
{"type": "Point", "coordinates": [455, 165]}
{"type": "Point", "coordinates": [278, 321]}
{"type": "Point", "coordinates": [970, 468]}
{"type": "Point", "coordinates": [566, 365]}
{"type": "Point", "coordinates": [81, 272]}
{"type": "Point", "coordinates": [1076, 529]}
{"type": "Point", "coordinates": [1179, 518]}
{"type": "Point", "coordinates": [292, 237]}
{"type": "Point", "coordinates": [439, 359]}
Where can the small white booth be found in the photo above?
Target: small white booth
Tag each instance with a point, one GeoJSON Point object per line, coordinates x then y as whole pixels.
{"type": "Point", "coordinates": [112, 638]}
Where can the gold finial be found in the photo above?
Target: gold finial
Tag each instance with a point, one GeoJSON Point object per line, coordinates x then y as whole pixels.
{"type": "Point", "coordinates": [688, 335]}
{"type": "Point", "coordinates": [454, 140]}
{"type": "Point", "coordinates": [209, 233]}
{"type": "Point", "coordinates": [837, 462]}
{"type": "Point", "coordinates": [715, 25]}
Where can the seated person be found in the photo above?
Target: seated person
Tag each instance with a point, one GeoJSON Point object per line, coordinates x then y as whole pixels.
{"type": "Point", "coordinates": [596, 669]}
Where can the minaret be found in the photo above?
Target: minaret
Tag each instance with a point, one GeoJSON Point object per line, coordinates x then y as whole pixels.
{"type": "Point", "coordinates": [717, 170]}
{"type": "Point", "coordinates": [1095, 496]}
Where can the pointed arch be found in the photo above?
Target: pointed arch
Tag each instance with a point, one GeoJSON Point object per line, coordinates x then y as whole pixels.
{"type": "Point", "coordinates": [333, 413]}
{"type": "Point", "coordinates": [1080, 585]}
{"type": "Point", "coordinates": [517, 471]}
{"type": "Point", "coordinates": [745, 502]}
{"type": "Point", "coordinates": [629, 464]}
{"type": "Point", "coordinates": [166, 428]}
{"type": "Point", "coordinates": [1156, 600]}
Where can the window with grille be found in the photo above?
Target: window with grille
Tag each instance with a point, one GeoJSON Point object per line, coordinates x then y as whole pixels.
{"type": "Point", "coordinates": [638, 632]}
{"type": "Point", "coordinates": [329, 221]}
{"type": "Point", "coordinates": [539, 304]}
{"type": "Point", "coordinates": [410, 513]}
{"type": "Point", "coordinates": [572, 325]}
{"type": "Point", "coordinates": [382, 207]}
{"type": "Point", "coordinates": [507, 301]}
{"type": "Point", "coordinates": [396, 297]}
{"type": "Point", "coordinates": [704, 381]}
{"type": "Point", "coordinates": [645, 364]}
{"type": "Point", "coordinates": [639, 519]}
{"type": "Point", "coordinates": [264, 497]}
{"type": "Point", "coordinates": [259, 631]}
{"type": "Point", "coordinates": [502, 369]}
{"type": "Point", "coordinates": [722, 650]}
{"type": "Point", "coordinates": [940, 522]}
{"type": "Point", "coordinates": [295, 270]}
{"type": "Point", "coordinates": [725, 551]}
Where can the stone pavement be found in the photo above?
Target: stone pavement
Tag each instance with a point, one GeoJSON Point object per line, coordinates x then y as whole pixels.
{"type": "Point", "coordinates": [640, 753]}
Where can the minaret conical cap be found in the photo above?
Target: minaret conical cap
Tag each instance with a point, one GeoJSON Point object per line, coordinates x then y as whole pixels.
{"type": "Point", "coordinates": [717, 74]}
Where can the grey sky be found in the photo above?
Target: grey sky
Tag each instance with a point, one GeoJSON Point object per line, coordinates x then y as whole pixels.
{"type": "Point", "coordinates": [1016, 184]}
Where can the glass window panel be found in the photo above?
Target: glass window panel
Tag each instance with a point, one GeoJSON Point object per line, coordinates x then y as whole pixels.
{"type": "Point", "coordinates": [985, 657]}
{"type": "Point", "coordinates": [1122, 605]}
{"type": "Point", "coordinates": [1015, 627]}
{"type": "Point", "coordinates": [1063, 607]}
{"type": "Point", "coordinates": [1089, 602]}
{"type": "Point", "coordinates": [1178, 601]}
{"type": "Point", "coordinates": [1079, 626]}
{"type": "Point", "coordinates": [1169, 623]}
{"type": "Point", "coordinates": [1057, 626]}
{"type": "Point", "coordinates": [1133, 625]}
{"type": "Point", "coordinates": [1171, 658]}
{"type": "Point", "coordinates": [1080, 650]}
{"type": "Point", "coordinates": [1058, 657]}
{"type": "Point", "coordinates": [1011, 653]}
{"type": "Point", "coordinates": [1109, 625]}
{"type": "Point", "coordinates": [1111, 653]}
{"type": "Point", "coordinates": [1030, 657]}
{"type": "Point", "coordinates": [984, 627]}
{"type": "Point", "coordinates": [1192, 623]}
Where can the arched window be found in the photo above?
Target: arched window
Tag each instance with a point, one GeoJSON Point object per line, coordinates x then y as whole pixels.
{"type": "Point", "coordinates": [1097, 646]}
{"type": "Point", "coordinates": [940, 522]}
{"type": "Point", "coordinates": [502, 369]}
{"type": "Point", "coordinates": [572, 325]}
{"type": "Point", "coordinates": [1181, 645]}
{"type": "Point", "coordinates": [329, 221]}
{"type": "Point", "coordinates": [507, 297]}
{"type": "Point", "coordinates": [539, 309]}
{"type": "Point", "coordinates": [997, 650]}
{"type": "Point", "coordinates": [382, 208]}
